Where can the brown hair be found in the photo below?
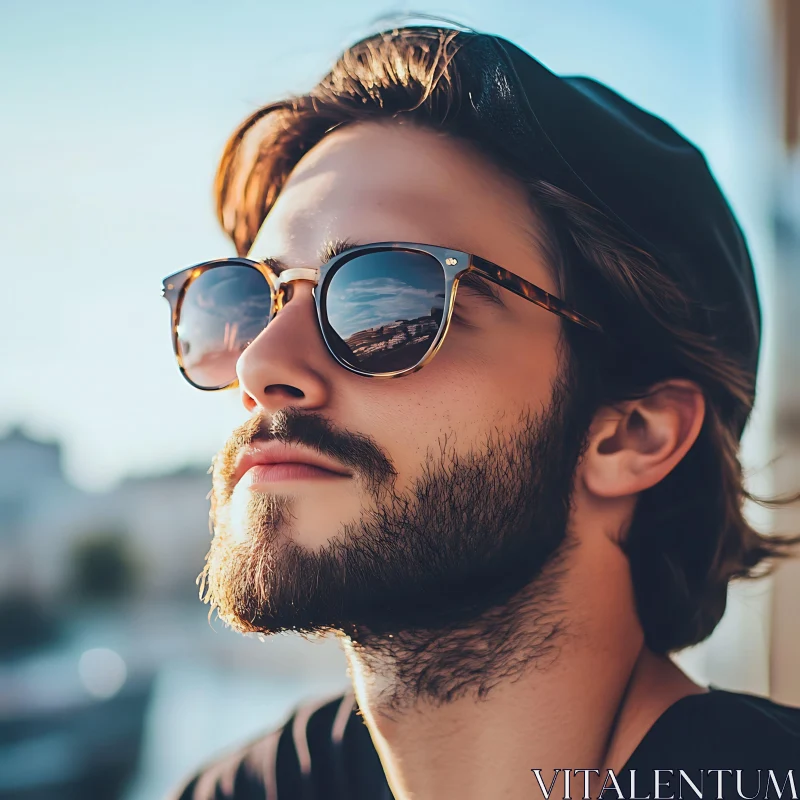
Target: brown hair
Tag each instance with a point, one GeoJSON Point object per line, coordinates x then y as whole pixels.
{"type": "Point", "coordinates": [689, 536]}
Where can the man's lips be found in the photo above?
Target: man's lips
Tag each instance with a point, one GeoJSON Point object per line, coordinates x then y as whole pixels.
{"type": "Point", "coordinates": [264, 462]}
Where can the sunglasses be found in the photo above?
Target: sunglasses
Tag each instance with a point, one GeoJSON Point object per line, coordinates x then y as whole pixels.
{"type": "Point", "coordinates": [383, 309]}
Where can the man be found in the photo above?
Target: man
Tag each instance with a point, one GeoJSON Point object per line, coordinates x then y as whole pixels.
{"type": "Point", "coordinates": [497, 332]}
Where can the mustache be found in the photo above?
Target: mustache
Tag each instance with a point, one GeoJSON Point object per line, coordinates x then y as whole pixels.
{"type": "Point", "coordinates": [310, 429]}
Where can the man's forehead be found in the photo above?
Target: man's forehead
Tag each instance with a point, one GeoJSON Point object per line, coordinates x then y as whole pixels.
{"type": "Point", "coordinates": [274, 240]}
{"type": "Point", "coordinates": [308, 238]}
{"type": "Point", "coordinates": [365, 169]}
{"type": "Point", "coordinates": [305, 224]}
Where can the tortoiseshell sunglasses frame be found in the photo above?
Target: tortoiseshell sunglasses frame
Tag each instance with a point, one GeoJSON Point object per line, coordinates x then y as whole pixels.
{"type": "Point", "coordinates": [454, 264]}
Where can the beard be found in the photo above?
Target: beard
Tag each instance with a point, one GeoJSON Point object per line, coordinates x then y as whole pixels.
{"type": "Point", "coordinates": [452, 584]}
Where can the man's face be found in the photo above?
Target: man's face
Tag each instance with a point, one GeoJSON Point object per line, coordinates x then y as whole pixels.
{"type": "Point", "coordinates": [459, 475]}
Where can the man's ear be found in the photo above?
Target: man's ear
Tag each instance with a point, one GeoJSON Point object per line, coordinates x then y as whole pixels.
{"type": "Point", "coordinates": [636, 444]}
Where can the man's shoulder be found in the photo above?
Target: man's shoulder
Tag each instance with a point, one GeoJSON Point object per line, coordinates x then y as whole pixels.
{"type": "Point", "coordinates": [322, 751]}
{"type": "Point", "coordinates": [743, 730]}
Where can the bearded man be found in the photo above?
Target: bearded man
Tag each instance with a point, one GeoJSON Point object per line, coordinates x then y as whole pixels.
{"type": "Point", "coordinates": [496, 331]}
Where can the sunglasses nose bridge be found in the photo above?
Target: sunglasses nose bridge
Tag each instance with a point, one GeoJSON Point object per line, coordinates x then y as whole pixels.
{"type": "Point", "coordinates": [296, 274]}
{"type": "Point", "coordinates": [281, 283]}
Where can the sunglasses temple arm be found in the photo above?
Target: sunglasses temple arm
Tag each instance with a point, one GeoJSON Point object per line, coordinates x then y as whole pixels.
{"type": "Point", "coordinates": [529, 291]}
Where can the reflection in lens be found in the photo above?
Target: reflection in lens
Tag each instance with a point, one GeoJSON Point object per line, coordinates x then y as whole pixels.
{"type": "Point", "coordinates": [384, 309]}
{"type": "Point", "coordinates": [222, 311]}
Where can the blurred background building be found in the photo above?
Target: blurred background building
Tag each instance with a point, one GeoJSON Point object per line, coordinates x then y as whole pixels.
{"type": "Point", "coordinates": [113, 682]}
{"type": "Point", "coordinates": [785, 628]}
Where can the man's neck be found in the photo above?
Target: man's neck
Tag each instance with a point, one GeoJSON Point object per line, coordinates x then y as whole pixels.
{"type": "Point", "coordinates": [585, 702]}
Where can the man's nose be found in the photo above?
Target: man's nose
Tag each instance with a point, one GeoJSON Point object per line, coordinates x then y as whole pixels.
{"type": "Point", "coordinates": [287, 364]}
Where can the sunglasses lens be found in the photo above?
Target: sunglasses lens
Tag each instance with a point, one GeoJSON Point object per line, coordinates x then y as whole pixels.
{"type": "Point", "coordinates": [384, 309]}
{"type": "Point", "coordinates": [222, 311]}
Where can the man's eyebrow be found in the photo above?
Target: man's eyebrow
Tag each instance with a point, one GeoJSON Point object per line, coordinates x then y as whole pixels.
{"type": "Point", "coordinates": [328, 250]}
{"type": "Point", "coordinates": [334, 247]}
{"type": "Point", "coordinates": [275, 264]}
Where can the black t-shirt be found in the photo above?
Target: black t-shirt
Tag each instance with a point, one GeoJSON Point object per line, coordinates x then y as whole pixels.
{"type": "Point", "coordinates": [324, 752]}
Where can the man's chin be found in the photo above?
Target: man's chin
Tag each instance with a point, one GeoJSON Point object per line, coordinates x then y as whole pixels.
{"type": "Point", "coordinates": [259, 568]}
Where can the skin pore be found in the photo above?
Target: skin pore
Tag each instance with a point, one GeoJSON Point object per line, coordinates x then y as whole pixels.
{"type": "Point", "coordinates": [586, 699]}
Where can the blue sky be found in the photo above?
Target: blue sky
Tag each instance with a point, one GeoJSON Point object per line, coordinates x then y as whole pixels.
{"type": "Point", "coordinates": [113, 116]}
